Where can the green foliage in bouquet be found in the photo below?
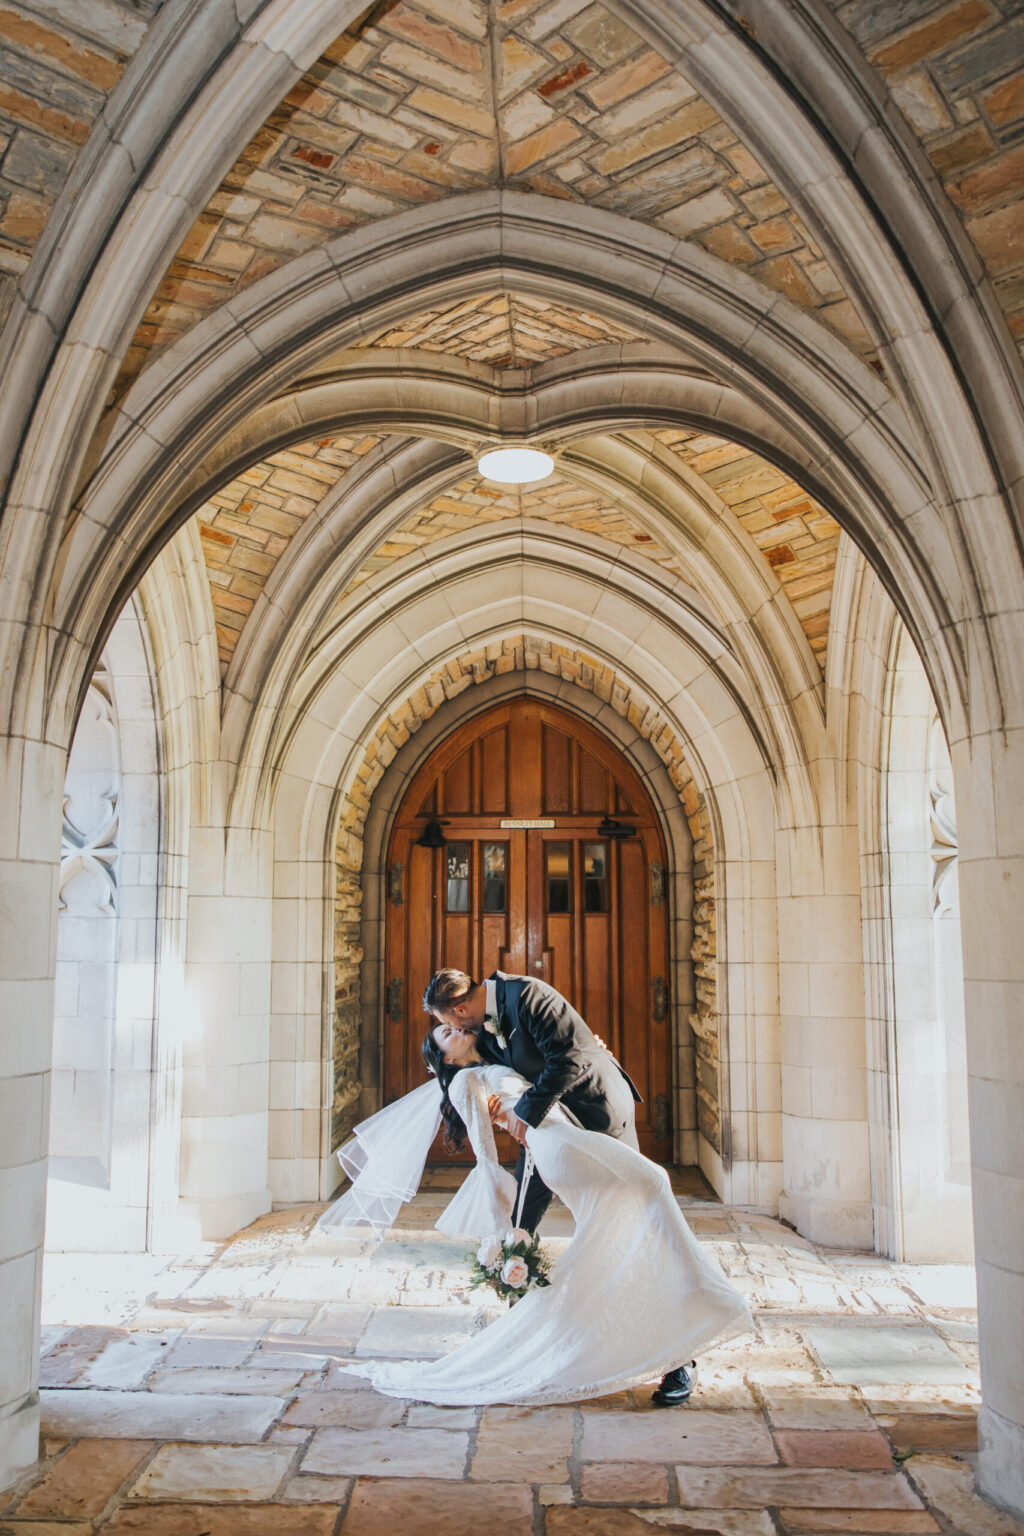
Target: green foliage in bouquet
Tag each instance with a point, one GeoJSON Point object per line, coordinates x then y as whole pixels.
{"type": "Point", "coordinates": [510, 1267]}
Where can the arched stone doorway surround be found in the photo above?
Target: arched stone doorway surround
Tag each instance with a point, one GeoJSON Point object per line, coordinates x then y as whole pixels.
{"type": "Point", "coordinates": [419, 624]}
{"type": "Point", "coordinates": [462, 689]}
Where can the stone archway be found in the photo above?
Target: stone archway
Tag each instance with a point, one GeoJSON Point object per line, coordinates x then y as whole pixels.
{"type": "Point", "coordinates": [521, 653]}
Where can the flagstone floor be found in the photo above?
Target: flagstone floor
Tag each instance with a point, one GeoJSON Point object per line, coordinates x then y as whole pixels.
{"type": "Point", "coordinates": [206, 1394]}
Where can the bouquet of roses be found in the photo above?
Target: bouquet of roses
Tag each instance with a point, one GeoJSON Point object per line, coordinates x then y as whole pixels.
{"type": "Point", "coordinates": [510, 1267]}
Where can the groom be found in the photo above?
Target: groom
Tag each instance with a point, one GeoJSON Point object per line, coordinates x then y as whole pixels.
{"type": "Point", "coordinates": [528, 1026]}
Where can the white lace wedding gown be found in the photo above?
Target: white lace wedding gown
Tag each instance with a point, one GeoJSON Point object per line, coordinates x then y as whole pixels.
{"type": "Point", "coordinates": [632, 1296]}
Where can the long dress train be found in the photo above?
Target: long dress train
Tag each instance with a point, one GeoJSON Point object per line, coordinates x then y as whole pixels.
{"type": "Point", "coordinates": [632, 1296]}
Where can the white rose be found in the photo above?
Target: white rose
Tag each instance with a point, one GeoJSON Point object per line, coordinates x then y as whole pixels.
{"type": "Point", "coordinates": [489, 1252]}
{"type": "Point", "coordinates": [515, 1272]}
{"type": "Point", "coordinates": [518, 1235]}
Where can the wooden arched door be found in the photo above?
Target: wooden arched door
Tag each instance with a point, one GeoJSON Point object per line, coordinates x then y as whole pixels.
{"type": "Point", "coordinates": [529, 881]}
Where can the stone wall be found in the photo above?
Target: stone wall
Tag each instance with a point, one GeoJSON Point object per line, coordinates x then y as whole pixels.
{"type": "Point", "coordinates": [515, 654]}
{"type": "Point", "coordinates": [955, 72]}
{"type": "Point", "coordinates": [58, 64]}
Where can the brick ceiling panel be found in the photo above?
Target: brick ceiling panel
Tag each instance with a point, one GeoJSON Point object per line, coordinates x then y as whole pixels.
{"type": "Point", "coordinates": [58, 66]}
{"type": "Point", "coordinates": [798, 538]}
{"type": "Point", "coordinates": [956, 72]}
{"type": "Point", "coordinates": [246, 527]}
{"type": "Point", "coordinates": [507, 330]}
{"type": "Point", "coordinates": [475, 501]}
{"type": "Point", "coordinates": [425, 98]}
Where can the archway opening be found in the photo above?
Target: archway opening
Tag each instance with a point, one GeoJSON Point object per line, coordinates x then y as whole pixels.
{"type": "Point", "coordinates": [527, 843]}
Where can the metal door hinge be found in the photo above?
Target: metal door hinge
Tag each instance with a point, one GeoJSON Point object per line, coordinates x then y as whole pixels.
{"type": "Point", "coordinates": [659, 998]}
{"type": "Point", "coordinates": [662, 1117]}
{"type": "Point", "coordinates": [395, 884]}
{"type": "Point", "coordinates": [395, 1000]}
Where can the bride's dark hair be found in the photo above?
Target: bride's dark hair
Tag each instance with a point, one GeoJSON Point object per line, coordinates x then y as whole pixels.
{"type": "Point", "coordinates": [454, 1125]}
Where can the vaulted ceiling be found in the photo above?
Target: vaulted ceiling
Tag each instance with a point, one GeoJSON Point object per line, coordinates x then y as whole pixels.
{"type": "Point", "coordinates": [422, 99]}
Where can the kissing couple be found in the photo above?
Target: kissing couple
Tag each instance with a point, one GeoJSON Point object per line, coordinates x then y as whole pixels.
{"type": "Point", "coordinates": [633, 1294]}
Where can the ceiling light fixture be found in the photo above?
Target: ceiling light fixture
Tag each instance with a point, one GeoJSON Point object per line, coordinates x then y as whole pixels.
{"type": "Point", "coordinates": [515, 466]}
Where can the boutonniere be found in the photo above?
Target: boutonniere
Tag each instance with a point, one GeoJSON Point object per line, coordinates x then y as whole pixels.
{"type": "Point", "coordinates": [492, 1029]}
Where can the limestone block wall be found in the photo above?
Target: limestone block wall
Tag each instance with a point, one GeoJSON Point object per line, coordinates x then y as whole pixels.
{"type": "Point", "coordinates": [954, 73]}
{"type": "Point", "coordinates": [58, 68]}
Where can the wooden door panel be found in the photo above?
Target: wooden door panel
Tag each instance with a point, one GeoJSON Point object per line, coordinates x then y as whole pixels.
{"type": "Point", "coordinates": [597, 939]}
{"type": "Point", "coordinates": [494, 765]}
{"type": "Point", "coordinates": [557, 767]}
{"type": "Point", "coordinates": [593, 793]}
{"type": "Point", "coordinates": [458, 786]}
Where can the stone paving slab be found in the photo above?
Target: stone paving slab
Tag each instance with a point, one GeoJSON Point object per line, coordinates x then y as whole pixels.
{"type": "Point", "coordinates": [956, 1434]}
{"type": "Point", "coordinates": [869, 1356]}
{"type": "Point", "coordinates": [243, 1473]}
{"type": "Point", "coordinates": [349, 1410]}
{"type": "Point", "coordinates": [184, 1416]}
{"type": "Point", "coordinates": [46, 1528]}
{"type": "Point", "coordinates": [523, 1445]}
{"type": "Point", "coordinates": [207, 1520]}
{"type": "Point", "coordinates": [642, 1522]}
{"type": "Point", "coordinates": [696, 1435]}
{"type": "Point", "coordinates": [949, 1487]}
{"type": "Point", "coordinates": [624, 1482]}
{"type": "Point", "coordinates": [310, 1489]}
{"type": "Point", "coordinates": [77, 1349]}
{"type": "Point", "coordinates": [128, 1361]}
{"type": "Point", "coordinates": [423, 1334]}
{"type": "Point", "coordinates": [434, 1453]}
{"type": "Point", "coordinates": [763, 1488]}
{"type": "Point", "coordinates": [861, 1450]}
{"type": "Point", "coordinates": [438, 1509]}
{"type": "Point", "coordinates": [866, 1522]}
{"type": "Point", "coordinates": [256, 1382]}
{"type": "Point", "coordinates": [208, 1352]}
{"type": "Point", "coordinates": [814, 1407]}
{"type": "Point", "coordinates": [84, 1480]}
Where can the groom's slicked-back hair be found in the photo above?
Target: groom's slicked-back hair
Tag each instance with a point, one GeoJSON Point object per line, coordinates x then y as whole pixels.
{"type": "Point", "coordinates": [446, 988]}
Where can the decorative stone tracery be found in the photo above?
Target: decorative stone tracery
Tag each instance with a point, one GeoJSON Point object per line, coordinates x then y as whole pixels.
{"type": "Point", "coordinates": [944, 846]}
{"type": "Point", "coordinates": [90, 823]}
{"type": "Point", "coordinates": [518, 654]}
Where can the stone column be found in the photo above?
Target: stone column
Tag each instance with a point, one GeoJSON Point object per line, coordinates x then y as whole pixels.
{"type": "Point", "coordinates": [226, 1034]}
{"type": "Point", "coordinates": [31, 777]}
{"type": "Point", "coordinates": [989, 776]}
{"type": "Point", "coordinates": [824, 1068]}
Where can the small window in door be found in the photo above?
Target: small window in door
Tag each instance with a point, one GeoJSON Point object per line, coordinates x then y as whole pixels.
{"type": "Point", "coordinates": [494, 876]}
{"type": "Point", "coordinates": [559, 882]}
{"type": "Point", "coordinates": [457, 893]}
{"type": "Point", "coordinates": [595, 877]}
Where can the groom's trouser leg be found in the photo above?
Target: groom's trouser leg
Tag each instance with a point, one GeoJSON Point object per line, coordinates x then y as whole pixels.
{"type": "Point", "coordinates": [538, 1196]}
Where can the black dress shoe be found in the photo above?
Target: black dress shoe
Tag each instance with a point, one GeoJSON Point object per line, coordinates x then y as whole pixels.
{"type": "Point", "coordinates": [676, 1386]}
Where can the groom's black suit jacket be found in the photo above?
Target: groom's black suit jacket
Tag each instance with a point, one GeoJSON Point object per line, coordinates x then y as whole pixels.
{"type": "Point", "coordinates": [548, 1043]}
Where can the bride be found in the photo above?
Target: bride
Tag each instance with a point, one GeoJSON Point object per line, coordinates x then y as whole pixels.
{"type": "Point", "coordinates": [633, 1292]}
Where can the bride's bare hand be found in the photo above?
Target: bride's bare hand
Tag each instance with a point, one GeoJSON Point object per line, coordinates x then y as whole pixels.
{"type": "Point", "coordinates": [516, 1128]}
{"type": "Point", "coordinates": [496, 1112]}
